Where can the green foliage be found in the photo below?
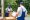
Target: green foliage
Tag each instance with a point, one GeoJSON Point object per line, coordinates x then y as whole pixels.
{"type": "Point", "coordinates": [27, 4]}
{"type": "Point", "coordinates": [15, 4]}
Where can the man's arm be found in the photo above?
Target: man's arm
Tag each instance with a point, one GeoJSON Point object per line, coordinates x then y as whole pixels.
{"type": "Point", "coordinates": [18, 10]}
{"type": "Point", "coordinates": [6, 8]}
{"type": "Point", "coordinates": [25, 10]}
{"type": "Point", "coordinates": [26, 13]}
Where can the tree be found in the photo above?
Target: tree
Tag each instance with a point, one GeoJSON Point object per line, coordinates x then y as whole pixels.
{"type": "Point", "coordinates": [12, 2]}
{"type": "Point", "coordinates": [27, 4]}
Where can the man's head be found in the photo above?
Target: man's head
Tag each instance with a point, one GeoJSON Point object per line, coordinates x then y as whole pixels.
{"type": "Point", "coordinates": [9, 5]}
{"type": "Point", "coordinates": [21, 3]}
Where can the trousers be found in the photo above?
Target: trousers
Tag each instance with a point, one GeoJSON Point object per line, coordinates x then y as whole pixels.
{"type": "Point", "coordinates": [22, 16]}
{"type": "Point", "coordinates": [6, 14]}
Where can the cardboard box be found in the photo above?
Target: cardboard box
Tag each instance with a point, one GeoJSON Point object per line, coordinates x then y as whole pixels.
{"type": "Point", "coordinates": [10, 18]}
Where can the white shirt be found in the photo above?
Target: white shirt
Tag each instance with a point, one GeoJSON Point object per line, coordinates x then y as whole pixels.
{"type": "Point", "coordinates": [7, 9]}
{"type": "Point", "coordinates": [20, 10]}
{"type": "Point", "coordinates": [24, 9]}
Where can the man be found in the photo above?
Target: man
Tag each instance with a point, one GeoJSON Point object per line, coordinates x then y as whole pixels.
{"type": "Point", "coordinates": [21, 12]}
{"type": "Point", "coordinates": [8, 9]}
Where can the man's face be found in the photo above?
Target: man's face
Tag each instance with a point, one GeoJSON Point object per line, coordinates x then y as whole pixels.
{"type": "Point", "coordinates": [20, 4]}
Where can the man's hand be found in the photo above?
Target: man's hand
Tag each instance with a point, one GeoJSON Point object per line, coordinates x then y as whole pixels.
{"type": "Point", "coordinates": [17, 14]}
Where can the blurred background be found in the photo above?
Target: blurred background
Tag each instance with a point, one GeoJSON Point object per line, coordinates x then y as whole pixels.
{"type": "Point", "coordinates": [14, 5]}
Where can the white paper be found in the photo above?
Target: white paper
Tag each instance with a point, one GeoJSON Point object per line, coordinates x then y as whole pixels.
{"type": "Point", "coordinates": [14, 14]}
